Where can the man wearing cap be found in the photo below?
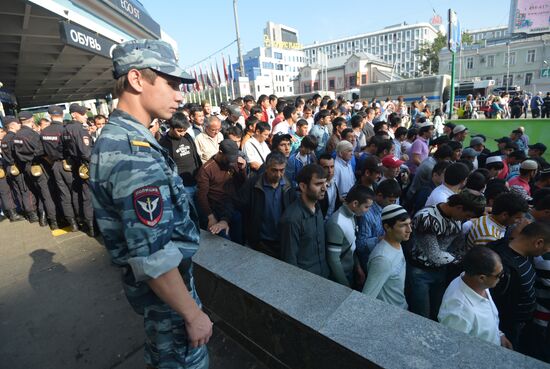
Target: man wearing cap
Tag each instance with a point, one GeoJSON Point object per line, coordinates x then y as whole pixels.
{"type": "Point", "coordinates": [15, 177]}
{"type": "Point", "coordinates": [6, 194]}
{"type": "Point", "coordinates": [77, 146]}
{"type": "Point", "coordinates": [232, 119]}
{"type": "Point", "coordinates": [386, 265]}
{"type": "Point", "coordinates": [29, 154]}
{"type": "Point", "coordinates": [536, 153]}
{"type": "Point", "coordinates": [470, 155]}
{"type": "Point", "coordinates": [545, 108]}
{"type": "Point", "coordinates": [448, 129]}
{"type": "Point", "coordinates": [527, 172]}
{"type": "Point", "coordinates": [420, 150]}
{"type": "Point", "coordinates": [51, 137]}
{"type": "Point", "coordinates": [142, 211]}
{"type": "Point", "coordinates": [344, 177]}
{"type": "Point", "coordinates": [459, 133]}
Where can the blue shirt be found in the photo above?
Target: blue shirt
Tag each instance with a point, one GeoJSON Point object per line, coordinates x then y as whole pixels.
{"type": "Point", "coordinates": [146, 219]}
{"type": "Point", "coordinates": [322, 135]}
{"type": "Point", "coordinates": [369, 231]}
{"type": "Point", "coordinates": [294, 165]}
{"type": "Point", "coordinates": [273, 209]}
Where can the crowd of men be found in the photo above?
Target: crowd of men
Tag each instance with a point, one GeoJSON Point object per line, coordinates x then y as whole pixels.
{"type": "Point", "coordinates": [422, 217]}
{"type": "Point", "coordinates": [506, 106]}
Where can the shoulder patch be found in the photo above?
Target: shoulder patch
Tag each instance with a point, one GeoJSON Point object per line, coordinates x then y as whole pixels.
{"type": "Point", "coordinates": [148, 205]}
{"type": "Point", "coordinates": [86, 140]}
{"type": "Point", "coordinates": [141, 143]}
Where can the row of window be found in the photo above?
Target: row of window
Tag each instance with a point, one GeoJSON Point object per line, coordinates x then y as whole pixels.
{"type": "Point", "coordinates": [526, 80]}
{"type": "Point", "coordinates": [489, 60]}
{"type": "Point", "coordinates": [286, 68]}
{"type": "Point", "coordinates": [489, 35]}
{"type": "Point", "coordinates": [276, 89]}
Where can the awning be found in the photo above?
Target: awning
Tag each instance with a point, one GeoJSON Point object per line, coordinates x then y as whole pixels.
{"type": "Point", "coordinates": [45, 61]}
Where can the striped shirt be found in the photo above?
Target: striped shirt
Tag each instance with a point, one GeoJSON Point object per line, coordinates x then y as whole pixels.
{"type": "Point", "coordinates": [542, 289]}
{"type": "Point", "coordinates": [484, 230]}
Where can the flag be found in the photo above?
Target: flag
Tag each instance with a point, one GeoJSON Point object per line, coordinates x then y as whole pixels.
{"type": "Point", "coordinates": [225, 70]}
{"type": "Point", "coordinates": [202, 77]}
{"type": "Point", "coordinates": [231, 74]}
{"type": "Point", "coordinates": [218, 73]}
{"type": "Point", "coordinates": [197, 83]}
{"type": "Point", "coordinates": [214, 81]}
{"type": "Point", "coordinates": [208, 80]}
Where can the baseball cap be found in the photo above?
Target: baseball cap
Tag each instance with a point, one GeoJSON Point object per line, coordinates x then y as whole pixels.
{"type": "Point", "coordinates": [474, 198]}
{"type": "Point", "coordinates": [234, 110]}
{"type": "Point", "coordinates": [529, 165]}
{"type": "Point", "coordinates": [538, 146]}
{"type": "Point", "coordinates": [518, 154]}
{"type": "Point", "coordinates": [357, 106]}
{"type": "Point", "coordinates": [469, 152]}
{"type": "Point", "coordinates": [230, 149]}
{"type": "Point", "coordinates": [425, 124]}
{"type": "Point", "coordinates": [440, 140]}
{"type": "Point", "coordinates": [493, 159]}
{"type": "Point", "coordinates": [476, 141]}
{"type": "Point", "coordinates": [390, 161]}
{"type": "Point", "coordinates": [450, 125]}
{"type": "Point", "coordinates": [10, 119]}
{"type": "Point", "coordinates": [511, 145]}
{"type": "Point", "coordinates": [24, 115]}
{"type": "Point", "coordinates": [372, 163]}
{"type": "Point", "coordinates": [503, 140]}
{"type": "Point", "coordinates": [392, 211]}
{"type": "Point", "coordinates": [55, 110]}
{"type": "Point", "coordinates": [140, 54]}
{"type": "Point", "coordinates": [459, 128]}
{"type": "Point", "coordinates": [455, 145]}
{"type": "Point", "coordinates": [77, 108]}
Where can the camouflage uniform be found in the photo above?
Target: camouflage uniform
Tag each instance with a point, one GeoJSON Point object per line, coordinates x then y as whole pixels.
{"type": "Point", "coordinates": [149, 227]}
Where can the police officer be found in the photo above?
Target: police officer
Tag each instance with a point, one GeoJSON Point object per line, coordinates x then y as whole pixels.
{"type": "Point", "coordinates": [52, 141]}
{"type": "Point", "coordinates": [6, 195]}
{"type": "Point", "coordinates": [77, 145]}
{"type": "Point", "coordinates": [29, 153]}
{"type": "Point", "coordinates": [545, 109]}
{"type": "Point", "coordinates": [145, 218]}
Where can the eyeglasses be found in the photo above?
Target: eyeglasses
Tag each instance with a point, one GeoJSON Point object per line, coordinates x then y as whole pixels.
{"type": "Point", "coordinates": [499, 275]}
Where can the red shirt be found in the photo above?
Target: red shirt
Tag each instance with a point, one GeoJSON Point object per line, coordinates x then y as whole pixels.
{"type": "Point", "coordinates": [265, 117]}
{"type": "Point", "coordinates": [520, 181]}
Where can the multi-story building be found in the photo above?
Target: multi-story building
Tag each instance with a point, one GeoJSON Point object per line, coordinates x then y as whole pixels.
{"type": "Point", "coordinates": [395, 45]}
{"type": "Point", "coordinates": [272, 68]}
{"type": "Point", "coordinates": [521, 62]}
{"type": "Point", "coordinates": [342, 73]}
{"type": "Point", "coordinates": [492, 34]}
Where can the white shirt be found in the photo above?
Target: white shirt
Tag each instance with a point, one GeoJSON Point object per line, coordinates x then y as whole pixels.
{"type": "Point", "coordinates": [331, 193]}
{"type": "Point", "coordinates": [207, 146]}
{"type": "Point", "coordinates": [282, 127]}
{"type": "Point", "coordinates": [440, 194]}
{"type": "Point", "coordinates": [467, 311]}
{"type": "Point", "coordinates": [255, 151]}
{"type": "Point", "coordinates": [344, 177]}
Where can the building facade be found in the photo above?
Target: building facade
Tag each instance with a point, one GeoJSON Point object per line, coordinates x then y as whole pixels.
{"type": "Point", "coordinates": [479, 36]}
{"type": "Point", "coordinates": [395, 45]}
{"type": "Point", "coordinates": [522, 62]}
{"type": "Point", "coordinates": [343, 73]}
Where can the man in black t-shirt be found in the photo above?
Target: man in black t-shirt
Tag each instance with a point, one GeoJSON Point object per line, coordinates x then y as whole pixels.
{"type": "Point", "coordinates": [181, 148]}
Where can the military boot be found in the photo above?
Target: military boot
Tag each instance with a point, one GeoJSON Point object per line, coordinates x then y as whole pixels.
{"type": "Point", "coordinates": [32, 217]}
{"type": "Point", "coordinates": [53, 224]}
{"type": "Point", "coordinates": [13, 216]}
{"type": "Point", "coordinates": [72, 224]}
{"type": "Point", "coordinates": [42, 220]}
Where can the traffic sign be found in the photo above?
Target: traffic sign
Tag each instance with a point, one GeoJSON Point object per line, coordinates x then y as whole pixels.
{"type": "Point", "coordinates": [545, 73]}
{"type": "Point", "coordinates": [454, 36]}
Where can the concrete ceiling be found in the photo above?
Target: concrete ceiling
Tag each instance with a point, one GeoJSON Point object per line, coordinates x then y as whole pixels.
{"type": "Point", "coordinates": [38, 67]}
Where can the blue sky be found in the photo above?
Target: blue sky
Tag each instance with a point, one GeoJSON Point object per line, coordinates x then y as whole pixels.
{"type": "Point", "coordinates": [205, 26]}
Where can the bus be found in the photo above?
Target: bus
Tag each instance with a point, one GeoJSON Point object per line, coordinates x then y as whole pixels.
{"type": "Point", "coordinates": [474, 88]}
{"type": "Point", "coordinates": [435, 88]}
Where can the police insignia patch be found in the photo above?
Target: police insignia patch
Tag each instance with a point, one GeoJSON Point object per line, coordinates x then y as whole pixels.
{"type": "Point", "coordinates": [86, 140]}
{"type": "Point", "coordinates": [148, 205]}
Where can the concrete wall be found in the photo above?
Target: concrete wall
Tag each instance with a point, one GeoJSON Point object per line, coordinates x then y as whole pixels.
{"type": "Point", "coordinates": [290, 318]}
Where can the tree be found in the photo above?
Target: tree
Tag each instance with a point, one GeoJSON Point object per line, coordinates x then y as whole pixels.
{"type": "Point", "coordinates": [429, 54]}
{"type": "Point", "coordinates": [467, 38]}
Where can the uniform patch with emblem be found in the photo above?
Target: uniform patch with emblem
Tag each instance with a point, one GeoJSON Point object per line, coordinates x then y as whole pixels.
{"type": "Point", "coordinates": [148, 205]}
{"type": "Point", "coordinates": [86, 140]}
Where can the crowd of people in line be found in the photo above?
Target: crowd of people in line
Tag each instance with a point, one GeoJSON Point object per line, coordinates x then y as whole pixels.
{"type": "Point", "coordinates": [417, 215]}
{"type": "Point", "coordinates": [505, 106]}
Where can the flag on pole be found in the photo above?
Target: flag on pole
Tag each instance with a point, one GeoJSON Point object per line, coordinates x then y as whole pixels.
{"type": "Point", "coordinates": [197, 83]}
{"type": "Point", "coordinates": [214, 80]}
{"type": "Point", "coordinates": [208, 80]}
{"type": "Point", "coordinates": [225, 70]}
{"type": "Point", "coordinates": [218, 73]}
{"type": "Point", "coordinates": [231, 74]}
{"type": "Point", "coordinates": [202, 77]}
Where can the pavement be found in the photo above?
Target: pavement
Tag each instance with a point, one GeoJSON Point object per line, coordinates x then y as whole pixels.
{"type": "Point", "coordinates": [62, 307]}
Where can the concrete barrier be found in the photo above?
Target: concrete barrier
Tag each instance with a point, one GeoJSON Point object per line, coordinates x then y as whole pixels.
{"type": "Point", "coordinates": [289, 318]}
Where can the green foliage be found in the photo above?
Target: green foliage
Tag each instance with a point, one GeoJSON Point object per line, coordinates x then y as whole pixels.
{"type": "Point", "coordinates": [429, 55]}
{"type": "Point", "coordinates": [467, 39]}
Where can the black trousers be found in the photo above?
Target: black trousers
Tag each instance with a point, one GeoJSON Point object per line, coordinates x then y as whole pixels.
{"type": "Point", "coordinates": [82, 196]}
{"type": "Point", "coordinates": [23, 191]}
{"type": "Point", "coordinates": [41, 187]}
{"type": "Point", "coordinates": [64, 185]}
{"type": "Point", "coordinates": [6, 195]}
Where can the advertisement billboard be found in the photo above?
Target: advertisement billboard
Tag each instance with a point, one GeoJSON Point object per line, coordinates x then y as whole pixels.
{"type": "Point", "coordinates": [529, 16]}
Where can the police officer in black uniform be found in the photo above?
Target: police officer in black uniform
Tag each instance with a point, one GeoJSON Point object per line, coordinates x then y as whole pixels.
{"type": "Point", "coordinates": [14, 170]}
{"type": "Point", "coordinates": [545, 108]}
{"type": "Point", "coordinates": [52, 140]}
{"type": "Point", "coordinates": [6, 196]}
{"type": "Point", "coordinates": [77, 144]}
{"type": "Point", "coordinates": [30, 153]}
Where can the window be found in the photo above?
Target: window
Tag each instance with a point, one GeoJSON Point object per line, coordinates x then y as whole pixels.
{"type": "Point", "coordinates": [512, 58]}
{"type": "Point", "coordinates": [316, 86]}
{"type": "Point", "coordinates": [531, 56]}
{"type": "Point", "coordinates": [528, 78]}
{"type": "Point", "coordinates": [279, 66]}
{"type": "Point", "coordinates": [363, 79]}
{"type": "Point", "coordinates": [510, 80]}
{"type": "Point", "coordinates": [470, 62]}
{"type": "Point", "coordinates": [267, 65]}
{"type": "Point", "coordinates": [307, 88]}
{"type": "Point", "coordinates": [490, 61]}
{"type": "Point", "coordinates": [331, 84]}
